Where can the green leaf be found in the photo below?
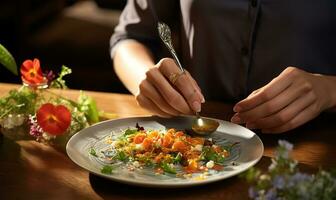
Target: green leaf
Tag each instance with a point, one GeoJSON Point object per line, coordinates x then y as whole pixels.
{"type": "Point", "coordinates": [88, 105]}
{"type": "Point", "coordinates": [121, 156]}
{"type": "Point", "coordinates": [7, 60]}
{"type": "Point", "coordinates": [107, 169]}
{"type": "Point", "coordinates": [166, 168]}
{"type": "Point", "coordinates": [59, 82]}
{"type": "Point", "coordinates": [93, 152]}
{"type": "Point", "coordinates": [210, 154]}
{"type": "Point", "coordinates": [130, 132]}
{"type": "Point", "coordinates": [177, 158]}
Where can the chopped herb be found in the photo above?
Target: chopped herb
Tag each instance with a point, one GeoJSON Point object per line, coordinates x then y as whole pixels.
{"type": "Point", "coordinates": [107, 169]}
{"type": "Point", "coordinates": [210, 154]}
{"type": "Point", "coordinates": [177, 158]}
{"type": "Point", "coordinates": [130, 132]}
{"type": "Point", "coordinates": [93, 152]}
{"type": "Point", "coordinates": [167, 168]}
{"type": "Point", "coordinates": [121, 156]}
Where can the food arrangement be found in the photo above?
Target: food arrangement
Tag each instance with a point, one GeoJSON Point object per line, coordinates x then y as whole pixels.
{"type": "Point", "coordinates": [172, 152]}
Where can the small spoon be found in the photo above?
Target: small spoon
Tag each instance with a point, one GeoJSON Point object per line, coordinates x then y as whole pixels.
{"type": "Point", "coordinates": [199, 125]}
{"type": "Point", "coordinates": [204, 126]}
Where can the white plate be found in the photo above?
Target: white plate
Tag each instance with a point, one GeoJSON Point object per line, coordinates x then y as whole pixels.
{"type": "Point", "coordinates": [245, 155]}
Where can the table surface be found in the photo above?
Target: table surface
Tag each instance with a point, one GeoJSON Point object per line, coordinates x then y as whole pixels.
{"type": "Point", "coordinates": [32, 170]}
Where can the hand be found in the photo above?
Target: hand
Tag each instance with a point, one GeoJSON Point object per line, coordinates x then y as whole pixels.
{"type": "Point", "coordinates": [158, 95]}
{"type": "Point", "coordinates": [288, 101]}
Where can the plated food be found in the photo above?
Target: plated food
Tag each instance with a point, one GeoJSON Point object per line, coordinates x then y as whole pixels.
{"type": "Point", "coordinates": [119, 151]}
{"type": "Point", "coordinates": [169, 151]}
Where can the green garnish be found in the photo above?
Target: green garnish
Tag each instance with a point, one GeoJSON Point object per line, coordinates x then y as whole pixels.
{"type": "Point", "coordinates": [107, 169]}
{"type": "Point", "coordinates": [130, 132]}
{"type": "Point", "coordinates": [121, 156]}
{"type": "Point", "coordinates": [177, 158]}
{"type": "Point", "coordinates": [93, 152]}
{"type": "Point", "coordinates": [167, 168]}
{"type": "Point", "coordinates": [209, 154]}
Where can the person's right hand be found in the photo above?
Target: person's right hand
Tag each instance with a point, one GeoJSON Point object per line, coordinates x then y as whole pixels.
{"type": "Point", "coordinates": [161, 97]}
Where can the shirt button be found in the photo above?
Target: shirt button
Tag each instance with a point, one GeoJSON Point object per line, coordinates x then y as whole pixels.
{"type": "Point", "coordinates": [254, 3]}
{"type": "Point", "coordinates": [244, 51]}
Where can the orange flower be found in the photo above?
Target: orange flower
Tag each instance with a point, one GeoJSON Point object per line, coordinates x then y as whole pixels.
{"type": "Point", "coordinates": [31, 72]}
{"type": "Point", "coordinates": [53, 119]}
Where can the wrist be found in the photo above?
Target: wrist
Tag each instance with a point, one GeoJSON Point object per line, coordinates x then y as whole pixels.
{"type": "Point", "coordinates": [331, 93]}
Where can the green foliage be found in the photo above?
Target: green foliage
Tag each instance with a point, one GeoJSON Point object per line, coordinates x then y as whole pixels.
{"type": "Point", "coordinates": [107, 169]}
{"type": "Point", "coordinates": [88, 105]}
{"type": "Point", "coordinates": [7, 60]}
{"type": "Point", "coordinates": [20, 101]}
{"type": "Point", "coordinates": [59, 82]}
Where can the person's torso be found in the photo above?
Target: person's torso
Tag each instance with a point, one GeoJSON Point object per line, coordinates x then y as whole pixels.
{"type": "Point", "coordinates": [233, 47]}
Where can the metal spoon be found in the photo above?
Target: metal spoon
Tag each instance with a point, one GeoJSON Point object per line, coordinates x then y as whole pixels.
{"type": "Point", "coordinates": [199, 125]}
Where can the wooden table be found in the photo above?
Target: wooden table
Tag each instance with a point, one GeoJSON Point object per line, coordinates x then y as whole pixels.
{"type": "Point", "coordinates": [30, 170]}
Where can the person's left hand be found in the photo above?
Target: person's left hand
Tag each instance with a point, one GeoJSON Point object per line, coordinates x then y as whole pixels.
{"type": "Point", "coordinates": [288, 101]}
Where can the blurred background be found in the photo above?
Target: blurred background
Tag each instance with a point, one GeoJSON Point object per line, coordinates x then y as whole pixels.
{"type": "Point", "coordinates": [74, 33]}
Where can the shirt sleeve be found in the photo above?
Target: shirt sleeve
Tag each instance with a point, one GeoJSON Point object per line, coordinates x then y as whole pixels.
{"type": "Point", "coordinates": [138, 22]}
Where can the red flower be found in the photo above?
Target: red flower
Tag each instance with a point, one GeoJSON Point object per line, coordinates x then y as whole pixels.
{"type": "Point", "coordinates": [31, 72]}
{"type": "Point", "coordinates": [53, 119]}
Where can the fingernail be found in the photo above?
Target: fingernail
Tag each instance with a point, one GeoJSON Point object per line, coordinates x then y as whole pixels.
{"type": "Point", "coordinates": [237, 108]}
{"type": "Point", "coordinates": [196, 106]}
{"type": "Point", "coordinates": [236, 119]}
{"type": "Point", "coordinates": [203, 100]}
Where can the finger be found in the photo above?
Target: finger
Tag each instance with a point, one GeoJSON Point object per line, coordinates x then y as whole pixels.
{"type": "Point", "coordinates": [149, 105]}
{"type": "Point", "coordinates": [199, 91]}
{"type": "Point", "coordinates": [150, 92]}
{"type": "Point", "coordinates": [183, 83]}
{"type": "Point", "coordinates": [307, 114]}
{"type": "Point", "coordinates": [276, 104]}
{"type": "Point", "coordinates": [173, 97]}
{"type": "Point", "coordinates": [285, 115]}
{"type": "Point", "coordinates": [272, 89]}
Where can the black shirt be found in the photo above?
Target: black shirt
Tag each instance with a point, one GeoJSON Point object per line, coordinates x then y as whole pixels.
{"type": "Point", "coordinates": [232, 47]}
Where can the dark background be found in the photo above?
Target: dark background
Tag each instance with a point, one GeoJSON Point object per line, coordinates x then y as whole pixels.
{"type": "Point", "coordinates": [74, 33]}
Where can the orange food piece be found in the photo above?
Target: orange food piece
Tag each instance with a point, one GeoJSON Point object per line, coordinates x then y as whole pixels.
{"type": "Point", "coordinates": [179, 134]}
{"type": "Point", "coordinates": [147, 144]}
{"type": "Point", "coordinates": [217, 149]}
{"type": "Point", "coordinates": [179, 146]}
{"type": "Point", "coordinates": [158, 158]}
{"type": "Point", "coordinates": [192, 166]}
{"type": "Point", "coordinates": [139, 138]}
{"type": "Point", "coordinates": [167, 140]}
{"type": "Point", "coordinates": [197, 141]}
{"type": "Point", "coordinates": [217, 167]}
{"type": "Point", "coordinates": [153, 134]}
{"type": "Point", "coordinates": [226, 153]}
{"type": "Point", "coordinates": [171, 131]}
